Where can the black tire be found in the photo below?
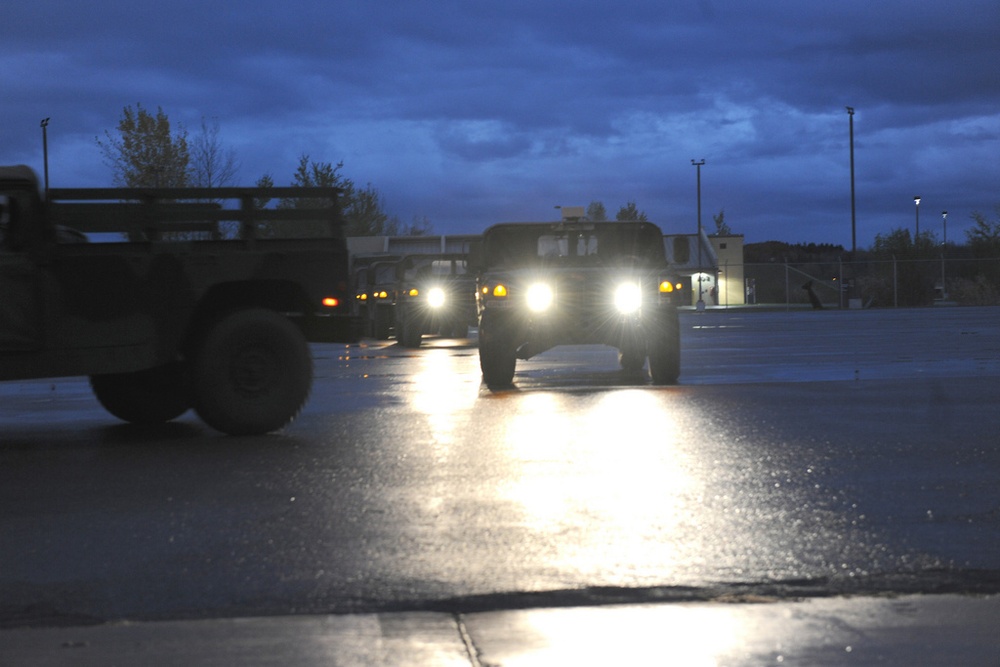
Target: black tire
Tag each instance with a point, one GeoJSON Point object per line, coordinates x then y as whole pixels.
{"type": "Point", "coordinates": [252, 373]}
{"type": "Point", "coordinates": [382, 323]}
{"type": "Point", "coordinates": [632, 351]}
{"type": "Point", "coordinates": [665, 349]}
{"type": "Point", "coordinates": [409, 332]}
{"type": "Point", "coordinates": [631, 360]}
{"type": "Point", "coordinates": [152, 396]}
{"type": "Point", "coordinates": [497, 355]}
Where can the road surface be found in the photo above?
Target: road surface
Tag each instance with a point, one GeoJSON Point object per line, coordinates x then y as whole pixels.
{"type": "Point", "coordinates": [803, 454]}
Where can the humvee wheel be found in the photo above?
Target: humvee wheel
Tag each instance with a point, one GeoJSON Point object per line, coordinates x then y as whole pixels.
{"type": "Point", "coordinates": [497, 357]}
{"type": "Point", "coordinates": [152, 396]}
{"type": "Point", "coordinates": [409, 333]}
{"type": "Point", "coordinates": [381, 324]}
{"type": "Point", "coordinates": [252, 373]}
{"type": "Point", "coordinates": [665, 350]}
{"type": "Point", "coordinates": [632, 352]}
{"type": "Point", "coordinates": [631, 360]}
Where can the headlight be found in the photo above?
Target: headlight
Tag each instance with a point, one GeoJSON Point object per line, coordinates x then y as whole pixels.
{"type": "Point", "coordinates": [435, 297]}
{"type": "Point", "coordinates": [628, 298]}
{"type": "Point", "coordinates": [539, 297]}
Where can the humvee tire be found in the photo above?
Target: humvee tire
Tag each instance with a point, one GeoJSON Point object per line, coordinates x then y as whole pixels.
{"type": "Point", "coordinates": [497, 356]}
{"type": "Point", "coordinates": [665, 349]}
{"type": "Point", "coordinates": [252, 373]}
{"type": "Point", "coordinates": [152, 396]}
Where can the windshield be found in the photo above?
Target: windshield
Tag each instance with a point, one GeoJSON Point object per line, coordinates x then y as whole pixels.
{"type": "Point", "coordinates": [573, 245]}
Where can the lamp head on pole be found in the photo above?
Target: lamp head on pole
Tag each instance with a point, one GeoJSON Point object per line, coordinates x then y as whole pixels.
{"type": "Point", "coordinates": [916, 200]}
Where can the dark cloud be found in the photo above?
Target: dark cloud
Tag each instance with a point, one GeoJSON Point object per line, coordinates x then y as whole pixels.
{"type": "Point", "coordinates": [469, 113]}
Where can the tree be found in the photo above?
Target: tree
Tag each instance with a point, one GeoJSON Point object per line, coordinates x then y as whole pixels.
{"type": "Point", "coordinates": [363, 208]}
{"type": "Point", "coordinates": [630, 212]}
{"type": "Point", "coordinates": [721, 228]}
{"type": "Point", "coordinates": [913, 275]}
{"type": "Point", "coordinates": [315, 175]}
{"type": "Point", "coordinates": [365, 215]}
{"type": "Point", "coordinates": [145, 153]}
{"type": "Point", "coordinates": [212, 166]}
{"type": "Point", "coordinates": [596, 212]}
{"type": "Point", "coordinates": [419, 226]}
{"type": "Point", "coordinates": [984, 238]}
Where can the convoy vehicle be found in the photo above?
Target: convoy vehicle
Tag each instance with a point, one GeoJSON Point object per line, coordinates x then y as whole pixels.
{"type": "Point", "coordinates": [363, 272]}
{"type": "Point", "coordinates": [546, 284]}
{"type": "Point", "coordinates": [360, 283]}
{"type": "Point", "coordinates": [436, 295]}
{"type": "Point", "coordinates": [170, 299]}
{"type": "Point", "coordinates": [383, 292]}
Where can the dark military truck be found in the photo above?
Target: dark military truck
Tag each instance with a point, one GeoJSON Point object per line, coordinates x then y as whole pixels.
{"type": "Point", "coordinates": [382, 298]}
{"type": "Point", "coordinates": [436, 295]}
{"type": "Point", "coordinates": [363, 270]}
{"type": "Point", "coordinates": [566, 283]}
{"type": "Point", "coordinates": [171, 299]}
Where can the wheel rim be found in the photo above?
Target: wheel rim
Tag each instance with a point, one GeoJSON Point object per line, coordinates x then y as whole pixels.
{"type": "Point", "coordinates": [252, 371]}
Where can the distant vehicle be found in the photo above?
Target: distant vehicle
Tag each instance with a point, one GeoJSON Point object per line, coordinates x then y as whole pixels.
{"type": "Point", "coordinates": [436, 295]}
{"type": "Point", "coordinates": [363, 272]}
{"type": "Point", "coordinates": [170, 299]}
{"type": "Point", "coordinates": [383, 293]}
{"type": "Point", "coordinates": [548, 284]}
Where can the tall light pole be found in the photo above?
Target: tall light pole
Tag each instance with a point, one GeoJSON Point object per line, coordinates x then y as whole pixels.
{"type": "Point", "coordinates": [45, 154]}
{"type": "Point", "coordinates": [854, 242]}
{"type": "Point", "coordinates": [944, 246]}
{"type": "Point", "coordinates": [701, 300]}
{"type": "Point", "coordinates": [916, 200]}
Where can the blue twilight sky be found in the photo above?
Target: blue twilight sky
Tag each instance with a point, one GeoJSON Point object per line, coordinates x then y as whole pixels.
{"type": "Point", "coordinates": [471, 113]}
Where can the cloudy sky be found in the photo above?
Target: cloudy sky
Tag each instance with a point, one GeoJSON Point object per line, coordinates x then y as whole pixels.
{"type": "Point", "coordinates": [470, 113]}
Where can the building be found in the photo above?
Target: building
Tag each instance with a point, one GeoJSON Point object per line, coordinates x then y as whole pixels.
{"type": "Point", "coordinates": [713, 268]}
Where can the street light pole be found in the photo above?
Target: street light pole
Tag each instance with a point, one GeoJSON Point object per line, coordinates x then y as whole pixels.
{"type": "Point", "coordinates": [916, 200]}
{"type": "Point", "coordinates": [45, 154]}
{"type": "Point", "coordinates": [854, 242]}
{"type": "Point", "coordinates": [944, 246]}
{"type": "Point", "coordinates": [701, 299]}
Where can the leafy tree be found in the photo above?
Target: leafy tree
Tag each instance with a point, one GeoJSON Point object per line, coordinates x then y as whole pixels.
{"type": "Point", "coordinates": [721, 227]}
{"type": "Point", "coordinates": [596, 212]}
{"type": "Point", "coordinates": [264, 182]}
{"type": "Point", "coordinates": [899, 244]}
{"type": "Point", "coordinates": [984, 238]}
{"type": "Point", "coordinates": [630, 212]}
{"type": "Point", "coordinates": [145, 153]}
{"type": "Point", "coordinates": [419, 226]}
{"type": "Point", "coordinates": [211, 165]}
{"type": "Point", "coordinates": [913, 279]}
{"type": "Point", "coordinates": [365, 215]}
{"type": "Point", "coordinates": [363, 208]}
{"type": "Point", "coordinates": [319, 174]}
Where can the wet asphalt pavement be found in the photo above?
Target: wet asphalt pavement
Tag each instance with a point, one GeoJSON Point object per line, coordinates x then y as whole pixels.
{"type": "Point", "coordinates": [803, 454]}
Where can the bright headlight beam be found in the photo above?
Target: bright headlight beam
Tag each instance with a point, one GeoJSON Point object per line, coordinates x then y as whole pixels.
{"type": "Point", "coordinates": [539, 297]}
{"type": "Point", "coordinates": [435, 297]}
{"type": "Point", "coordinates": [628, 298]}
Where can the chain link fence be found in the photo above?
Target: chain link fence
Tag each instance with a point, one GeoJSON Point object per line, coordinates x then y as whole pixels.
{"type": "Point", "coordinates": [875, 283]}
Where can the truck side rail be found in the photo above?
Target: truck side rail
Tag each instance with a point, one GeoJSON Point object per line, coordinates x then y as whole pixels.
{"type": "Point", "coordinates": [184, 214]}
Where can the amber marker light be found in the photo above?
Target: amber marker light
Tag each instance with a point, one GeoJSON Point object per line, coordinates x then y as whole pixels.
{"type": "Point", "coordinates": [666, 287]}
{"type": "Point", "coordinates": [499, 290]}
{"type": "Point", "coordinates": [331, 301]}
